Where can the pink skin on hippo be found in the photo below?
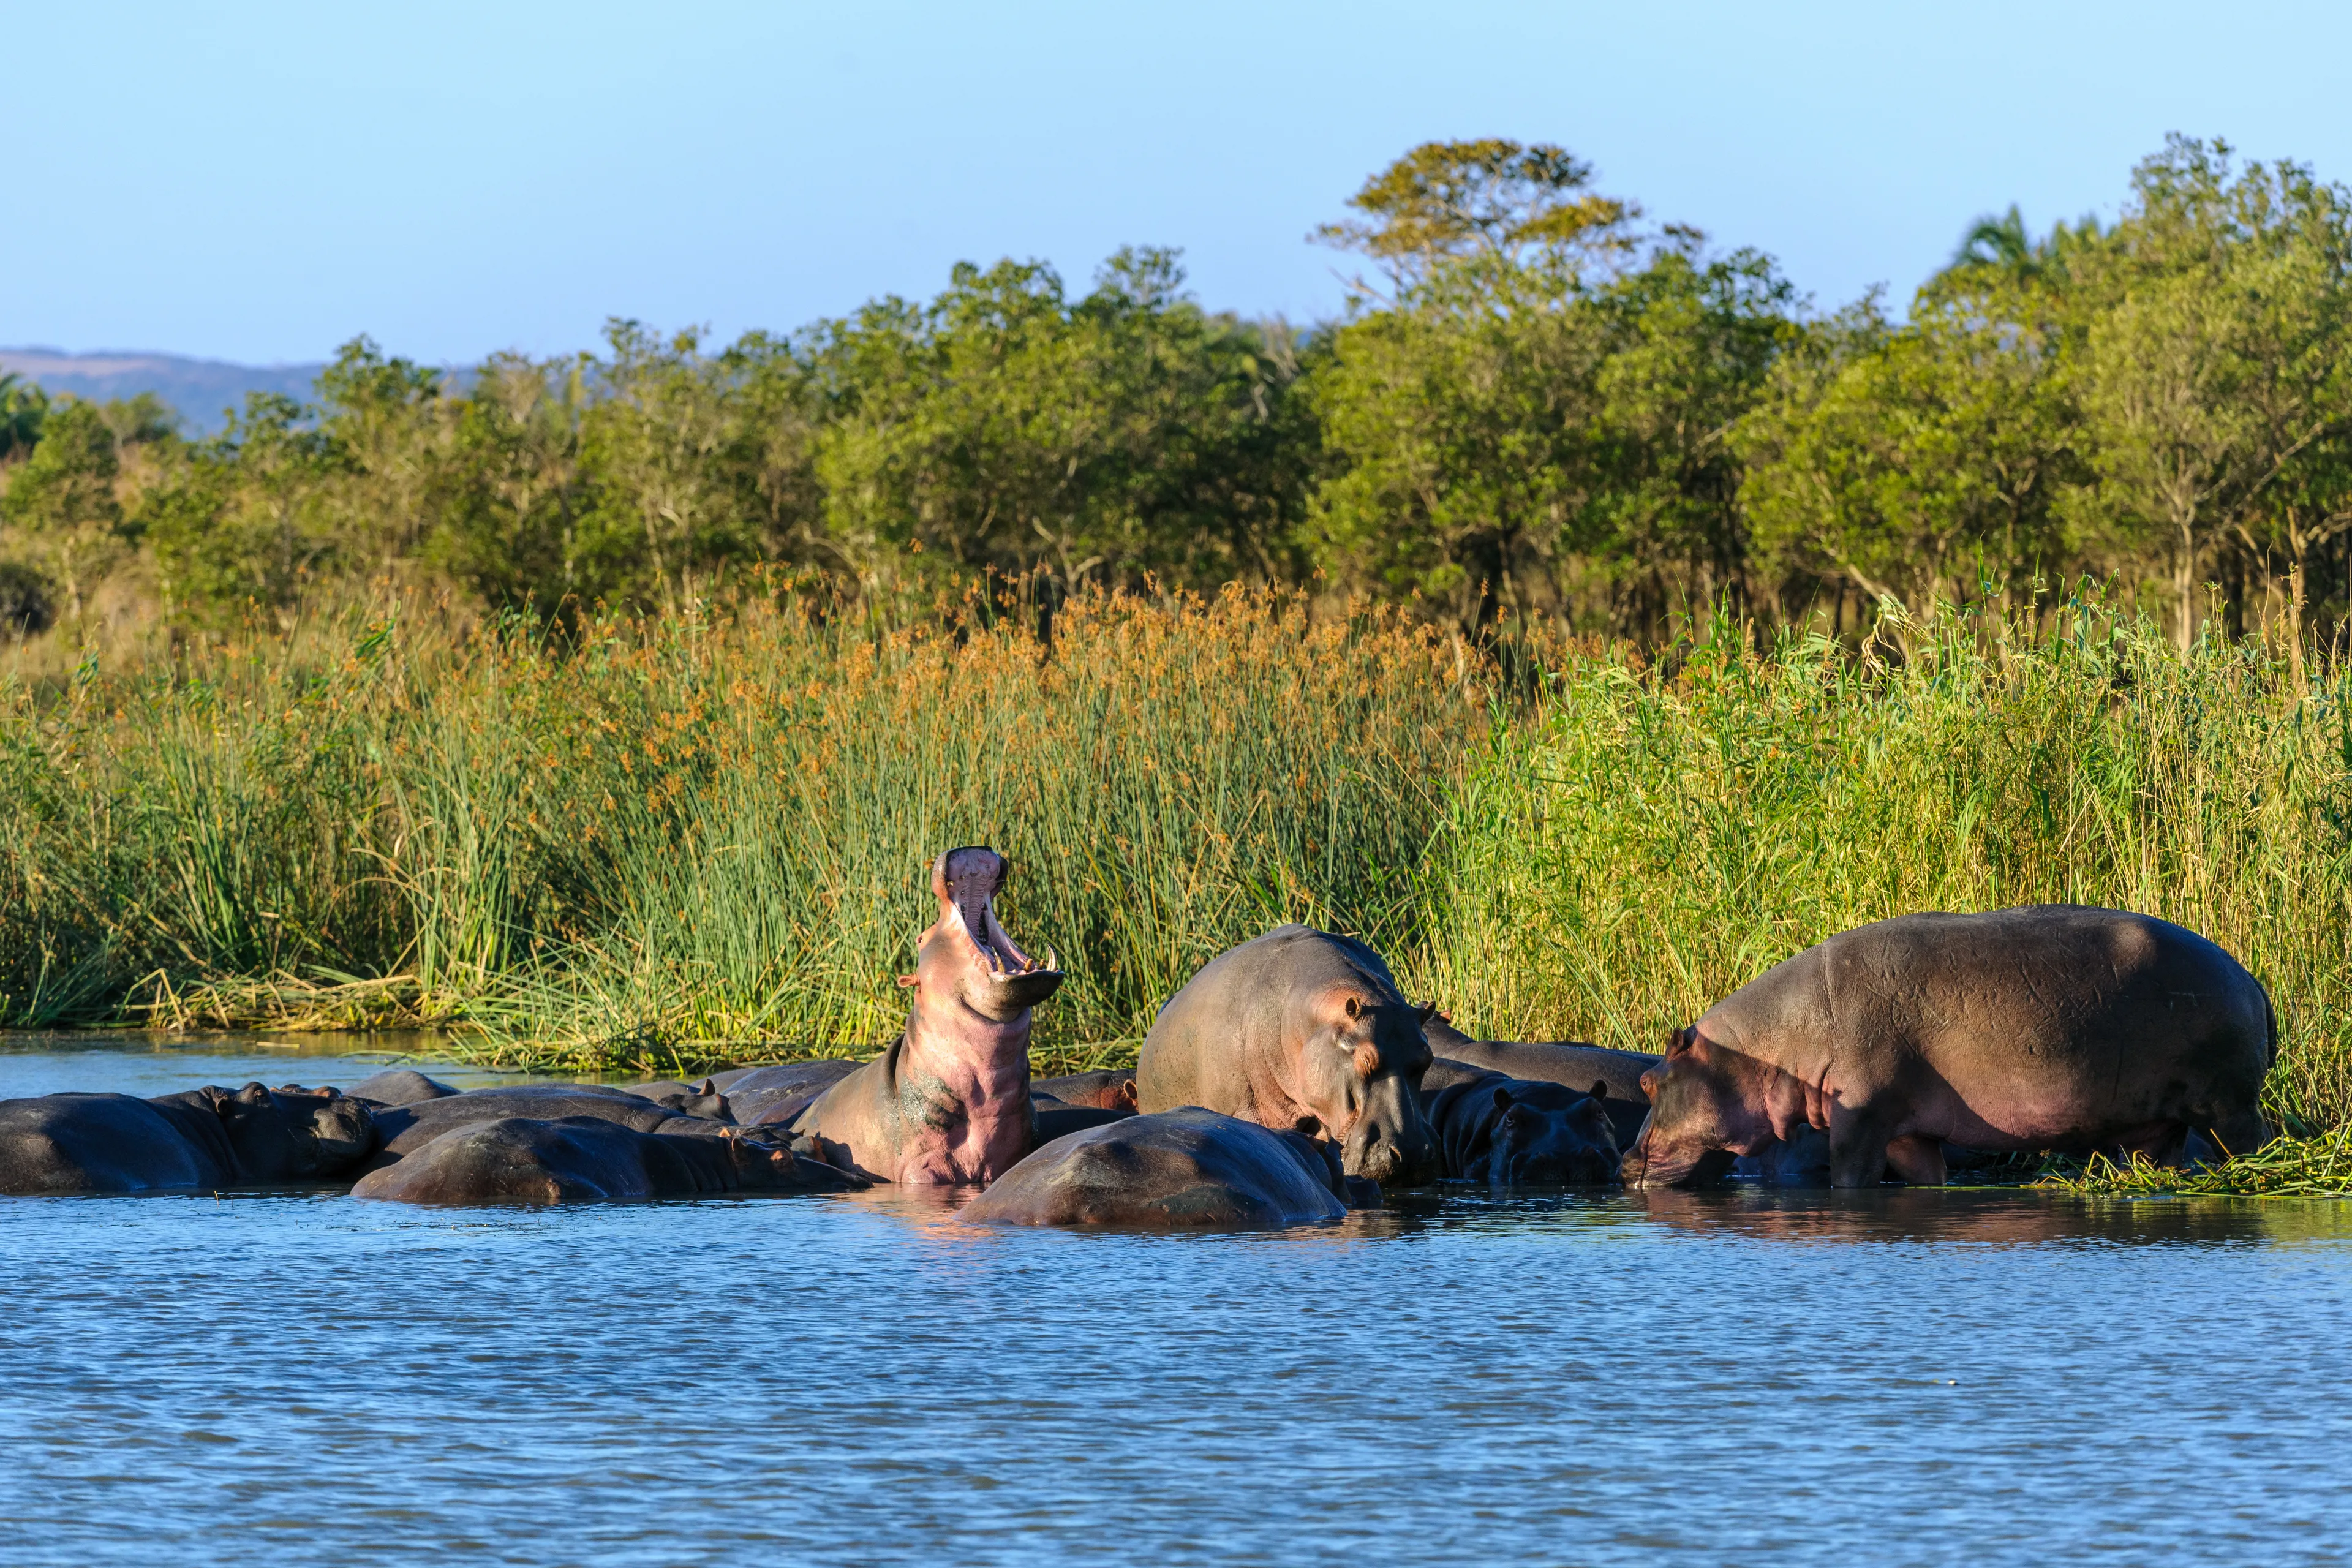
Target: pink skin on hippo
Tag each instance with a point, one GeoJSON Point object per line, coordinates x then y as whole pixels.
{"type": "Point", "coordinates": [2053, 1026]}
{"type": "Point", "coordinates": [949, 1103]}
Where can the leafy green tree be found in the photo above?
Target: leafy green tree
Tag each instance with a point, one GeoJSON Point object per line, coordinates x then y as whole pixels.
{"type": "Point", "coordinates": [2217, 360]}
{"type": "Point", "coordinates": [1691, 341]}
{"type": "Point", "coordinates": [388, 426]}
{"type": "Point", "coordinates": [1005, 428]}
{"type": "Point", "coordinates": [62, 506]}
{"type": "Point", "coordinates": [1491, 198]}
{"type": "Point", "coordinates": [22, 405]}
{"type": "Point", "coordinates": [1910, 462]}
{"type": "Point", "coordinates": [512, 493]}
{"type": "Point", "coordinates": [249, 516]}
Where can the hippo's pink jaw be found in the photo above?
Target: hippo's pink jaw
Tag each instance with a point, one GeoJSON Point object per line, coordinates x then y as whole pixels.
{"type": "Point", "coordinates": [1000, 981]}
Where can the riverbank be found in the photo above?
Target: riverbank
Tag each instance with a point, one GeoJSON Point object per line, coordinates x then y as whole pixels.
{"type": "Point", "coordinates": [671, 845]}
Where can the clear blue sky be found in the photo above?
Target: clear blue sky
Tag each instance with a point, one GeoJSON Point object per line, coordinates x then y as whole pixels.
{"type": "Point", "coordinates": [260, 181]}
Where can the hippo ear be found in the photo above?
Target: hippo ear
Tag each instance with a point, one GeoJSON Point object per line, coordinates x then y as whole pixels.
{"type": "Point", "coordinates": [1501, 1097]}
{"type": "Point", "coordinates": [1678, 1041]}
{"type": "Point", "coordinates": [707, 1087]}
{"type": "Point", "coordinates": [1601, 1090]}
{"type": "Point", "coordinates": [1428, 1012]}
{"type": "Point", "coordinates": [905, 981]}
{"type": "Point", "coordinates": [1353, 1007]}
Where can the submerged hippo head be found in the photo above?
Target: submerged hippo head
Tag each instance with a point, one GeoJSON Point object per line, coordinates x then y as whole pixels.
{"type": "Point", "coordinates": [965, 957]}
{"type": "Point", "coordinates": [1547, 1135]}
{"type": "Point", "coordinates": [1359, 1071]}
{"type": "Point", "coordinates": [293, 1133]}
{"type": "Point", "coordinates": [1706, 1108]}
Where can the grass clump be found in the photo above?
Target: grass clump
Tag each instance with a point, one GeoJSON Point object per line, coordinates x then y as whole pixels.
{"type": "Point", "coordinates": [703, 837]}
{"type": "Point", "coordinates": [2286, 1167]}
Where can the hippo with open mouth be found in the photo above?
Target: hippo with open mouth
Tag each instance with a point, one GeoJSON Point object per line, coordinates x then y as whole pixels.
{"type": "Point", "coordinates": [2051, 1027]}
{"type": "Point", "coordinates": [1304, 1032]}
{"type": "Point", "coordinates": [948, 1102]}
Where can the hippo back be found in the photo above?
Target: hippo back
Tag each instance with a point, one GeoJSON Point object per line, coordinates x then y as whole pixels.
{"type": "Point", "coordinates": [1188, 1168]}
{"type": "Point", "coordinates": [773, 1096]}
{"type": "Point", "coordinates": [60, 1143]}
{"type": "Point", "coordinates": [406, 1129]}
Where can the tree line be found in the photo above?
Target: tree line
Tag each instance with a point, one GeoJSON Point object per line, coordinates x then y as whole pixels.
{"type": "Point", "coordinates": [1536, 402]}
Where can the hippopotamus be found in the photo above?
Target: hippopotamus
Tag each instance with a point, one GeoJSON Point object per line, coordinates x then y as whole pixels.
{"type": "Point", "coordinates": [1110, 1089]}
{"type": "Point", "coordinates": [1300, 1031]}
{"type": "Point", "coordinates": [1510, 1131]}
{"type": "Point", "coordinates": [948, 1102]}
{"type": "Point", "coordinates": [1571, 1063]}
{"type": "Point", "coordinates": [209, 1137]}
{"type": "Point", "coordinates": [2051, 1027]}
{"type": "Point", "coordinates": [403, 1130]}
{"type": "Point", "coordinates": [778, 1094]}
{"type": "Point", "coordinates": [570, 1159]}
{"type": "Point", "coordinates": [1173, 1168]}
{"type": "Point", "coordinates": [399, 1086]}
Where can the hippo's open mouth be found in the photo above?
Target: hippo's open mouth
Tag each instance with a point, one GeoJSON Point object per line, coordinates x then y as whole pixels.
{"type": "Point", "coordinates": [967, 882]}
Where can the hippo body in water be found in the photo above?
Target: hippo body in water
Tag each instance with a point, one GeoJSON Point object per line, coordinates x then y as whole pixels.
{"type": "Point", "coordinates": [399, 1086]}
{"type": "Point", "coordinates": [1111, 1089]}
{"type": "Point", "coordinates": [1188, 1168]}
{"type": "Point", "coordinates": [403, 1130]}
{"type": "Point", "coordinates": [211, 1137]}
{"type": "Point", "coordinates": [2054, 1026]}
{"type": "Point", "coordinates": [948, 1102]}
{"type": "Point", "coordinates": [779, 1094]}
{"type": "Point", "coordinates": [573, 1159]}
{"type": "Point", "coordinates": [1569, 1063]}
{"type": "Point", "coordinates": [1299, 1031]}
{"type": "Point", "coordinates": [1510, 1131]}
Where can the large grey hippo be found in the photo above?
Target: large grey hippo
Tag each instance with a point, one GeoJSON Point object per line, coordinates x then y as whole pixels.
{"type": "Point", "coordinates": [2053, 1026]}
{"type": "Point", "coordinates": [573, 1159]}
{"type": "Point", "coordinates": [1190, 1168]}
{"type": "Point", "coordinates": [209, 1137]}
{"type": "Point", "coordinates": [949, 1102]}
{"type": "Point", "coordinates": [1300, 1031]}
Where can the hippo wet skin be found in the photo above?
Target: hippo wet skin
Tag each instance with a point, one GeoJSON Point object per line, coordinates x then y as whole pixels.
{"type": "Point", "coordinates": [573, 1159]}
{"type": "Point", "coordinates": [948, 1102]}
{"type": "Point", "coordinates": [1188, 1168]}
{"type": "Point", "coordinates": [1510, 1131]}
{"type": "Point", "coordinates": [2053, 1026]}
{"type": "Point", "coordinates": [1305, 1032]}
{"type": "Point", "coordinates": [1571, 1063]}
{"type": "Point", "coordinates": [209, 1137]}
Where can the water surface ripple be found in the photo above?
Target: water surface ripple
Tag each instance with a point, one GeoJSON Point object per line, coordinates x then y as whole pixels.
{"type": "Point", "coordinates": [1899, 1376]}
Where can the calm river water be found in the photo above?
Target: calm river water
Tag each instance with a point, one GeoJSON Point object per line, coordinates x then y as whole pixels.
{"type": "Point", "coordinates": [1898, 1377]}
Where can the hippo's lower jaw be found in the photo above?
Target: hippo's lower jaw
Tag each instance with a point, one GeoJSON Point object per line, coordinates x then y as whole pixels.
{"type": "Point", "coordinates": [1708, 1169]}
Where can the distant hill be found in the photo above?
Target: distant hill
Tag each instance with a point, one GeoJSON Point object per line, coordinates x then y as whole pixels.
{"type": "Point", "coordinates": [199, 390]}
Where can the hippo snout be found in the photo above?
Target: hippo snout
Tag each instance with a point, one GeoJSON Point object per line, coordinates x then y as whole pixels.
{"type": "Point", "coordinates": [1393, 1157]}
